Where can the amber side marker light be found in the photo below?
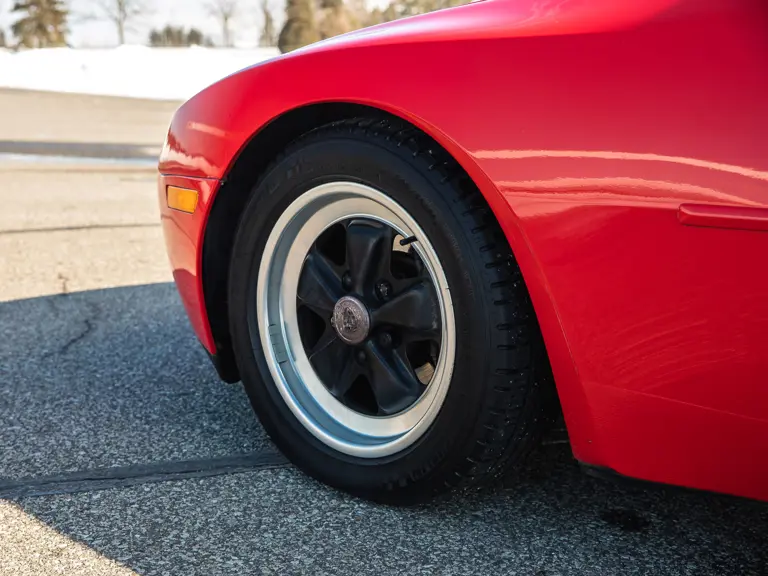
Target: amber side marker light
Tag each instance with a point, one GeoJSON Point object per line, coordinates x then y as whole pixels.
{"type": "Point", "coordinates": [182, 199]}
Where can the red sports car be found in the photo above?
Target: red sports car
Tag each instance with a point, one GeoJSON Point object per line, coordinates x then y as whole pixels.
{"type": "Point", "coordinates": [417, 242]}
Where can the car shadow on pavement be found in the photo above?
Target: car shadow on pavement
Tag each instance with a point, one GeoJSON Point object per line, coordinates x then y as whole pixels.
{"type": "Point", "coordinates": [111, 377]}
{"type": "Point", "coordinates": [115, 377]}
{"type": "Point", "coordinates": [548, 520]}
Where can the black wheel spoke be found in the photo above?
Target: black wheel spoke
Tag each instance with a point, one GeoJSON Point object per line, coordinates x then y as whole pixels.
{"type": "Point", "coordinates": [326, 339]}
{"type": "Point", "coordinates": [369, 371]}
{"type": "Point", "coordinates": [320, 284]}
{"type": "Point", "coordinates": [334, 363]}
{"type": "Point", "coordinates": [415, 311]}
{"type": "Point", "coordinates": [393, 382]}
{"type": "Point", "coordinates": [415, 273]}
{"type": "Point", "coordinates": [369, 251]}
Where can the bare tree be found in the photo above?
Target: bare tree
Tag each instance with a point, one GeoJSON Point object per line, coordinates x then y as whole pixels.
{"type": "Point", "coordinates": [225, 11]}
{"type": "Point", "coordinates": [121, 13]}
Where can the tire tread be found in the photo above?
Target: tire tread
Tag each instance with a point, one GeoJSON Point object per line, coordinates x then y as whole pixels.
{"type": "Point", "coordinates": [519, 387]}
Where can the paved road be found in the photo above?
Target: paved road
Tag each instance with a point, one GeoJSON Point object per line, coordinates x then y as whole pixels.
{"type": "Point", "coordinates": [50, 117]}
{"type": "Point", "coordinates": [120, 452]}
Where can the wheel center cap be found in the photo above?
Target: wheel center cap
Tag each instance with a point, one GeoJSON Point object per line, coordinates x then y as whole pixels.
{"type": "Point", "coordinates": [351, 320]}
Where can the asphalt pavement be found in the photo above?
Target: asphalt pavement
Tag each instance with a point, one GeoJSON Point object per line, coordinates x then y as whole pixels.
{"type": "Point", "coordinates": [121, 453]}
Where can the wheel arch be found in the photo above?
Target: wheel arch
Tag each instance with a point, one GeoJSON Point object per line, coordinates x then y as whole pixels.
{"type": "Point", "coordinates": [240, 178]}
{"type": "Point", "coordinates": [270, 140]}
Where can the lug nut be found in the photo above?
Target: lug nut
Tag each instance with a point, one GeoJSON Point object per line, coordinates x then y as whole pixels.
{"type": "Point", "coordinates": [383, 290]}
{"type": "Point", "coordinates": [346, 281]}
{"type": "Point", "coordinates": [385, 339]}
{"type": "Point", "coordinates": [361, 356]}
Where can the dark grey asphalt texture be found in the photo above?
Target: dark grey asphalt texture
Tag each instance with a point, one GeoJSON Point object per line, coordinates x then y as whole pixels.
{"type": "Point", "coordinates": [142, 462]}
{"type": "Point", "coordinates": [110, 378]}
{"type": "Point", "coordinates": [551, 521]}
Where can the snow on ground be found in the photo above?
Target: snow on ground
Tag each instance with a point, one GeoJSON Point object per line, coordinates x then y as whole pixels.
{"type": "Point", "coordinates": [131, 71]}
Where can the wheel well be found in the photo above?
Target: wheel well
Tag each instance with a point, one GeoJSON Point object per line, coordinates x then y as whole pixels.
{"type": "Point", "coordinates": [230, 201]}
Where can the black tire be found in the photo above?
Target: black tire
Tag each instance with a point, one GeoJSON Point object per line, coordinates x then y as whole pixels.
{"type": "Point", "coordinates": [500, 389]}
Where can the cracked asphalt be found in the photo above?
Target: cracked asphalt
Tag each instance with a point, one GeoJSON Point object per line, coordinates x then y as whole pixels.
{"type": "Point", "coordinates": [121, 453]}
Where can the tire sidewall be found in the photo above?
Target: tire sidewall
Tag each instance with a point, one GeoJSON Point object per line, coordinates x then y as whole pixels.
{"type": "Point", "coordinates": [428, 200]}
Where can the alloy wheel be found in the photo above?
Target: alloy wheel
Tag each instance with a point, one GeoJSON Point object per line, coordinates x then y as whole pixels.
{"type": "Point", "coordinates": [356, 317]}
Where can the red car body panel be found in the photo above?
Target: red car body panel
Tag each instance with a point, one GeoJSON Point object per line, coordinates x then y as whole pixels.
{"type": "Point", "coordinates": [184, 242]}
{"type": "Point", "coordinates": [622, 146]}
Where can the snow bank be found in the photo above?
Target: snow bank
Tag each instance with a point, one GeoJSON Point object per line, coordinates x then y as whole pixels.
{"type": "Point", "coordinates": [131, 71]}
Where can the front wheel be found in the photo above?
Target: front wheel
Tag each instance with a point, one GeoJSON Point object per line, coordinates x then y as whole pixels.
{"type": "Point", "coordinates": [380, 323]}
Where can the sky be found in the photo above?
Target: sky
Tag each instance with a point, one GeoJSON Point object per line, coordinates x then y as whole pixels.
{"type": "Point", "coordinates": [88, 30]}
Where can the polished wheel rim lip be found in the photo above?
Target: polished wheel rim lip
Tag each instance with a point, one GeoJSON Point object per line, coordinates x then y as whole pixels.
{"type": "Point", "coordinates": [276, 322]}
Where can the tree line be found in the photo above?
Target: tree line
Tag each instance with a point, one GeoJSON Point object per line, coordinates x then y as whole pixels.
{"type": "Point", "coordinates": [45, 23]}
